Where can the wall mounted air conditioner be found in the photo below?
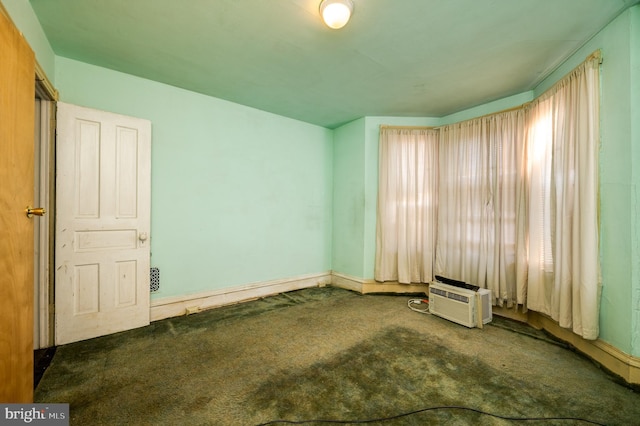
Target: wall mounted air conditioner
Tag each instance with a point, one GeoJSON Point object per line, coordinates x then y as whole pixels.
{"type": "Point", "coordinates": [467, 307]}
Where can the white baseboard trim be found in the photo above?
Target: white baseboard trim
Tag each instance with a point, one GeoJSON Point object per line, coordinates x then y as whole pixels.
{"type": "Point", "coordinates": [181, 305]}
{"type": "Point", "coordinates": [368, 286]}
{"type": "Point", "coordinates": [347, 282]}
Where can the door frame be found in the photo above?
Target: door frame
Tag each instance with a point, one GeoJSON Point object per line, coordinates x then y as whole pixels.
{"type": "Point", "coordinates": [44, 196]}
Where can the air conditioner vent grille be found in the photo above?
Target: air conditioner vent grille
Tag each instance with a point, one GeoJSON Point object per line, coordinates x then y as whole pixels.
{"type": "Point", "coordinates": [458, 297]}
{"type": "Point", "coordinates": [438, 292]}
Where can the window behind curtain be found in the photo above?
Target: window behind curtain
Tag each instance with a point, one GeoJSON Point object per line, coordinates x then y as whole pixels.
{"type": "Point", "coordinates": [407, 205]}
{"type": "Point", "coordinates": [480, 169]}
{"type": "Point", "coordinates": [563, 278]}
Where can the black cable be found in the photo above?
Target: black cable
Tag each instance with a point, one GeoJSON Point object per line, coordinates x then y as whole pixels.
{"type": "Point", "coordinates": [444, 407]}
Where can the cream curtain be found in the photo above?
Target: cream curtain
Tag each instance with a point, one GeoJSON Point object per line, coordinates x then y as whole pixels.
{"type": "Point", "coordinates": [407, 202]}
{"type": "Point", "coordinates": [480, 166]}
{"type": "Point", "coordinates": [508, 202]}
{"type": "Point", "coordinates": [563, 278]}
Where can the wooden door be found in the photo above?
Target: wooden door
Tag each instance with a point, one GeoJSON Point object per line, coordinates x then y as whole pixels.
{"type": "Point", "coordinates": [103, 201]}
{"type": "Point", "coordinates": [17, 94]}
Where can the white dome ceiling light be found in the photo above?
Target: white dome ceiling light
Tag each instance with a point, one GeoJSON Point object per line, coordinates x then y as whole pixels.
{"type": "Point", "coordinates": [336, 13]}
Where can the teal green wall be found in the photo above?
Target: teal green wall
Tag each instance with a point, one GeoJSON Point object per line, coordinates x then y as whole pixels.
{"type": "Point", "coordinates": [348, 199]}
{"type": "Point", "coordinates": [238, 195]}
{"type": "Point", "coordinates": [25, 19]}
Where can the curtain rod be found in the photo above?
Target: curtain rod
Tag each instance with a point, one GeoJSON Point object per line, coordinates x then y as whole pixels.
{"type": "Point", "coordinates": [597, 54]}
{"type": "Point", "coordinates": [503, 111]}
{"type": "Point", "coordinates": [387, 126]}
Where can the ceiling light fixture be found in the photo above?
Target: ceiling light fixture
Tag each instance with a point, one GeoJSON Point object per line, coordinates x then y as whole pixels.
{"type": "Point", "coordinates": [336, 13]}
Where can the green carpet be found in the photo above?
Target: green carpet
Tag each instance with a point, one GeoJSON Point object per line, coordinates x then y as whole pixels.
{"type": "Point", "coordinates": [331, 354]}
{"type": "Point", "coordinates": [400, 370]}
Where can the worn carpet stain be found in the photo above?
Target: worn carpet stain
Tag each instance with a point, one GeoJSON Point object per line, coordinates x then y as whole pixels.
{"type": "Point", "coordinates": [402, 371]}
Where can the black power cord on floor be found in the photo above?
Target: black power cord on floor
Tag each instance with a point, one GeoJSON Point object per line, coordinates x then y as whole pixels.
{"type": "Point", "coordinates": [444, 407]}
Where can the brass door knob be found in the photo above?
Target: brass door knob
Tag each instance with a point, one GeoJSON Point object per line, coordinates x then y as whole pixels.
{"type": "Point", "coordinates": [36, 211]}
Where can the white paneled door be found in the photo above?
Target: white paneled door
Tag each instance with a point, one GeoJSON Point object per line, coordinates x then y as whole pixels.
{"type": "Point", "coordinates": [103, 202]}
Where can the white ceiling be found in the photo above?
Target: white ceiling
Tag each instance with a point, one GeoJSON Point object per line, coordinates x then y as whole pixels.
{"type": "Point", "coordinates": [425, 58]}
